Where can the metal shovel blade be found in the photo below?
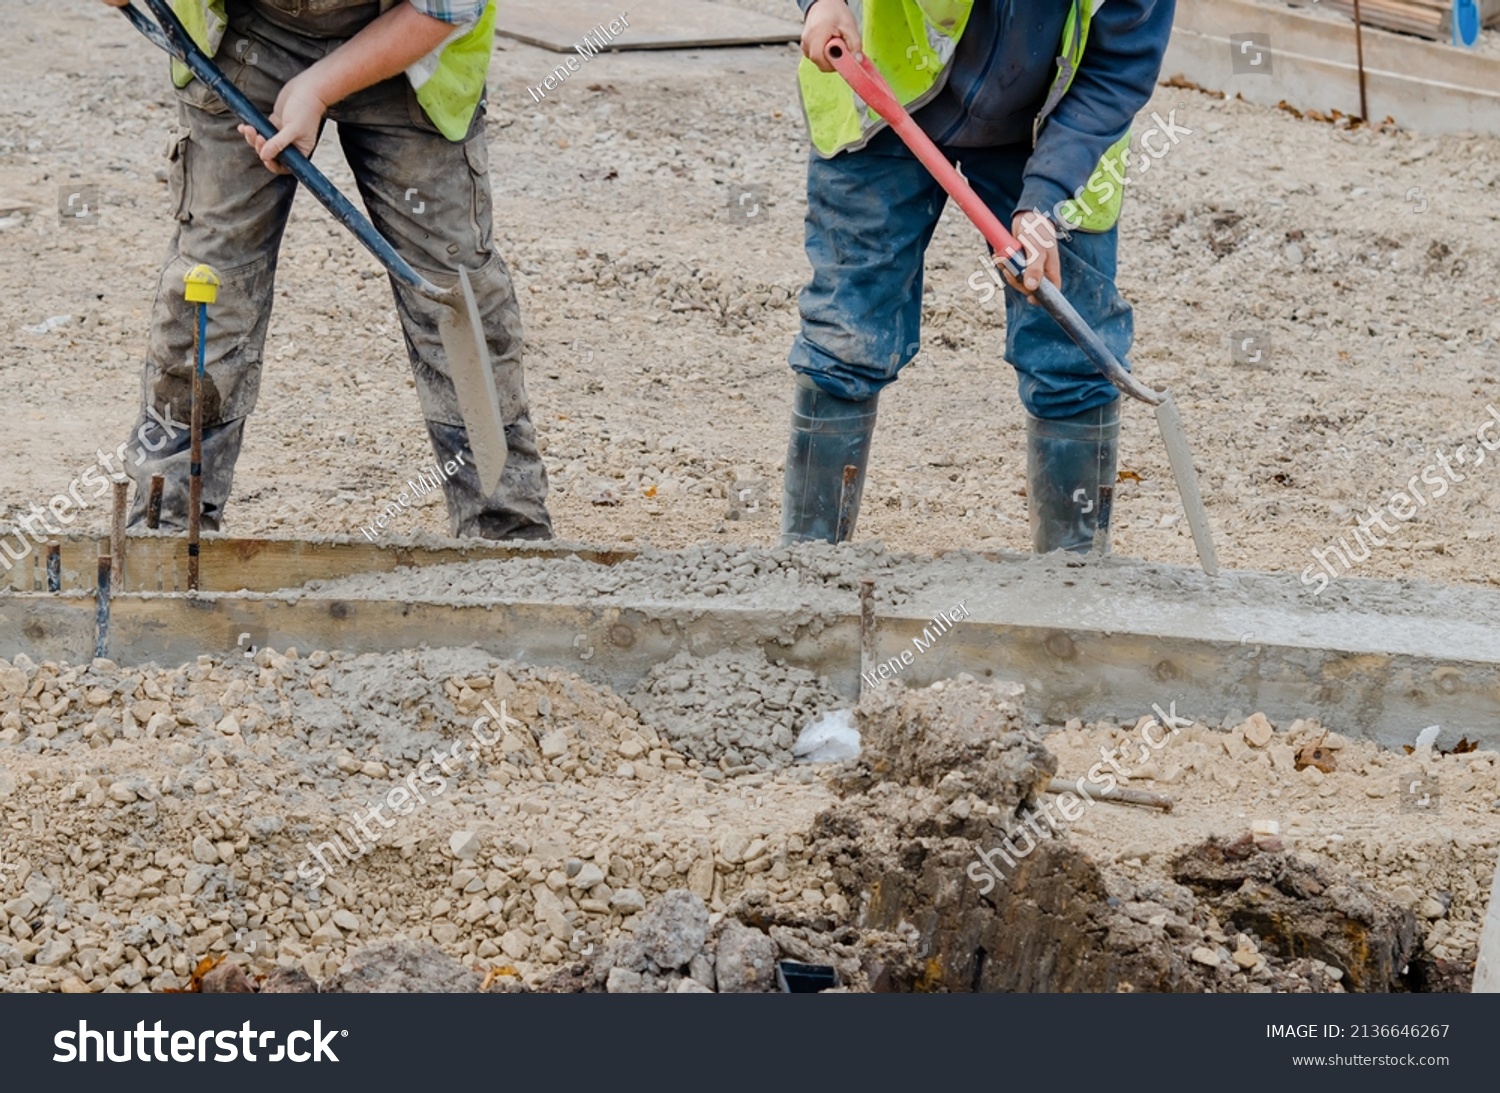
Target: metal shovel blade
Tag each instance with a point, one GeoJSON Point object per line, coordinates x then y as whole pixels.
{"type": "Point", "coordinates": [1175, 439]}
{"type": "Point", "coordinates": [462, 334]}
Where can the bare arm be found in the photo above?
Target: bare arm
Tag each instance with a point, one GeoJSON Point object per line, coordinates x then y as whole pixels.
{"type": "Point", "coordinates": [387, 47]}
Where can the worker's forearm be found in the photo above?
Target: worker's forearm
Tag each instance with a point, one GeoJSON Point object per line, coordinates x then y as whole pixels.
{"type": "Point", "coordinates": [387, 47]}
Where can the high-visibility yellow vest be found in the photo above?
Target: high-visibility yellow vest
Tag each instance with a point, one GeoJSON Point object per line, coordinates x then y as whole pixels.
{"type": "Point", "coordinates": [450, 93]}
{"type": "Point", "coordinates": [912, 43]}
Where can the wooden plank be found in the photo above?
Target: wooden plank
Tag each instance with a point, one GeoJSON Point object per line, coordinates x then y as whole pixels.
{"type": "Point", "coordinates": [1425, 86]}
{"type": "Point", "coordinates": [1423, 21]}
{"type": "Point", "coordinates": [560, 25]}
{"type": "Point", "coordinates": [158, 561]}
{"type": "Point", "coordinates": [1067, 671]}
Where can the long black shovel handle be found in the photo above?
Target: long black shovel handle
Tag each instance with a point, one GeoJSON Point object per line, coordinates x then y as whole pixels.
{"type": "Point", "coordinates": [172, 37]}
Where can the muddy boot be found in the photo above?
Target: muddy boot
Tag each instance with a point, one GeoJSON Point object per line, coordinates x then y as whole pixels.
{"type": "Point", "coordinates": [1070, 478]}
{"type": "Point", "coordinates": [828, 434]}
{"type": "Point", "coordinates": [171, 457]}
{"type": "Point", "coordinates": [517, 509]}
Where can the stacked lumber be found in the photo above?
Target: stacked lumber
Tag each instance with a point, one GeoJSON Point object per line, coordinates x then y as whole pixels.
{"type": "Point", "coordinates": [1425, 18]}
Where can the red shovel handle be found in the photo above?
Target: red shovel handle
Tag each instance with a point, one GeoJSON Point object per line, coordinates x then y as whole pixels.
{"type": "Point", "coordinates": [870, 86]}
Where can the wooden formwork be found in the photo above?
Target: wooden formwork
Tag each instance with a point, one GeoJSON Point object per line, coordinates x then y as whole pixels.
{"type": "Point", "coordinates": [1068, 669]}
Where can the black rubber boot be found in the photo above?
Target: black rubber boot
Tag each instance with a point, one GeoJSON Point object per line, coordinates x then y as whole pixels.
{"type": "Point", "coordinates": [1070, 479]}
{"type": "Point", "coordinates": [171, 457]}
{"type": "Point", "coordinates": [828, 434]}
{"type": "Point", "coordinates": [517, 509]}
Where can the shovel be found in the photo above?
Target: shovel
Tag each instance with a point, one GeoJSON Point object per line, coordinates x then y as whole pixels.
{"type": "Point", "coordinates": [459, 324]}
{"type": "Point", "coordinates": [871, 87]}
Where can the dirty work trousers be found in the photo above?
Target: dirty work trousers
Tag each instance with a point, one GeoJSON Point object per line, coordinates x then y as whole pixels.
{"type": "Point", "coordinates": [430, 197]}
{"type": "Point", "coordinates": [870, 216]}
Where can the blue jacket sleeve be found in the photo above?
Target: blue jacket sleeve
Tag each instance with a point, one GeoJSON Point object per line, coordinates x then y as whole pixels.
{"type": "Point", "coordinates": [1127, 41]}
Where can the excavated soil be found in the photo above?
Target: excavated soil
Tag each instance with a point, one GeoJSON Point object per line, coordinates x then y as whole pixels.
{"type": "Point", "coordinates": [151, 817]}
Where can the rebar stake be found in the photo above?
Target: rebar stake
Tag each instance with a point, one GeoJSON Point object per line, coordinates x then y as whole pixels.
{"type": "Point", "coordinates": [153, 502]}
{"type": "Point", "coordinates": [101, 611]}
{"type": "Point", "coordinates": [202, 289]}
{"type": "Point", "coordinates": [867, 630]}
{"type": "Point", "coordinates": [117, 533]}
{"type": "Point", "coordinates": [847, 504]}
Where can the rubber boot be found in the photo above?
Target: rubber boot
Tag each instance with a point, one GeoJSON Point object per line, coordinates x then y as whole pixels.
{"type": "Point", "coordinates": [171, 457]}
{"type": "Point", "coordinates": [517, 509]}
{"type": "Point", "coordinates": [828, 434]}
{"type": "Point", "coordinates": [1070, 479]}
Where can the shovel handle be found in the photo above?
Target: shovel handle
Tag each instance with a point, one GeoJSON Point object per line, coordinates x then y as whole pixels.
{"type": "Point", "coordinates": [172, 37]}
{"type": "Point", "coordinates": [871, 87]}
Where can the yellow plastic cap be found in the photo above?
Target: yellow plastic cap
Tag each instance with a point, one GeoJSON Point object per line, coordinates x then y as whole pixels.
{"type": "Point", "coordinates": [202, 285]}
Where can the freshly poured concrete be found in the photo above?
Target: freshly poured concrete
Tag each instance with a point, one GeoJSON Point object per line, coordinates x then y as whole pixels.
{"type": "Point", "coordinates": [1371, 659]}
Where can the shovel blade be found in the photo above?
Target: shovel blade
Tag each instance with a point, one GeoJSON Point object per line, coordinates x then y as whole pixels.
{"type": "Point", "coordinates": [462, 334]}
{"type": "Point", "coordinates": [1175, 439]}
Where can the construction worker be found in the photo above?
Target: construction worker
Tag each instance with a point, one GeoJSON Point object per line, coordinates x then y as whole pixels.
{"type": "Point", "coordinates": [1034, 102]}
{"type": "Point", "coordinates": [405, 81]}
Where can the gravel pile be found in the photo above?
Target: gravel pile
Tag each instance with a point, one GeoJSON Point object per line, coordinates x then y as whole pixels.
{"type": "Point", "coordinates": [735, 710]}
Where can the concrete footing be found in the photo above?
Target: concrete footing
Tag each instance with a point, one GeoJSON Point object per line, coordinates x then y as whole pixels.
{"type": "Point", "coordinates": [1371, 659]}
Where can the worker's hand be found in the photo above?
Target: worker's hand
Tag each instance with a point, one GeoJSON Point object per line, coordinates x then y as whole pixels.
{"type": "Point", "coordinates": [298, 114]}
{"type": "Point", "coordinates": [1038, 235]}
{"type": "Point", "coordinates": [828, 19]}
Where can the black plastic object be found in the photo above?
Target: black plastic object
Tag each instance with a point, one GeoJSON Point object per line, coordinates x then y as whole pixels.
{"type": "Point", "coordinates": [794, 977]}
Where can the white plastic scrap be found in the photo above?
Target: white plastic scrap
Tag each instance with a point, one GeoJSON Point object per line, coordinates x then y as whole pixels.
{"type": "Point", "coordinates": [828, 738]}
{"type": "Point", "coordinates": [47, 326]}
{"type": "Point", "coordinates": [1427, 737]}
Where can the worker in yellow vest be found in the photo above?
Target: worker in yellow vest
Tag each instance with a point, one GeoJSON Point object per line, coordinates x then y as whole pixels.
{"type": "Point", "coordinates": [1034, 102]}
{"type": "Point", "coordinates": [404, 80]}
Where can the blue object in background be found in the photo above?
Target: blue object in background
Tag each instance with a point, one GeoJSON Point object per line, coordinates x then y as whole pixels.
{"type": "Point", "coordinates": [1465, 22]}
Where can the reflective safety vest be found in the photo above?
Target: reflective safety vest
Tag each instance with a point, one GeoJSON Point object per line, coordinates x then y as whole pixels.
{"type": "Point", "coordinates": [912, 43]}
{"type": "Point", "coordinates": [450, 91]}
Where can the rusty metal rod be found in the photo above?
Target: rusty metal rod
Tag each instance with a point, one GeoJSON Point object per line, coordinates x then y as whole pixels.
{"type": "Point", "coordinates": [153, 502]}
{"type": "Point", "coordinates": [848, 502]}
{"type": "Point", "coordinates": [1359, 57]}
{"type": "Point", "coordinates": [1101, 524]}
{"type": "Point", "coordinates": [1119, 795]}
{"type": "Point", "coordinates": [195, 467]}
{"type": "Point", "coordinates": [54, 566]}
{"type": "Point", "coordinates": [101, 609]}
{"type": "Point", "coordinates": [117, 533]}
{"type": "Point", "coordinates": [868, 629]}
